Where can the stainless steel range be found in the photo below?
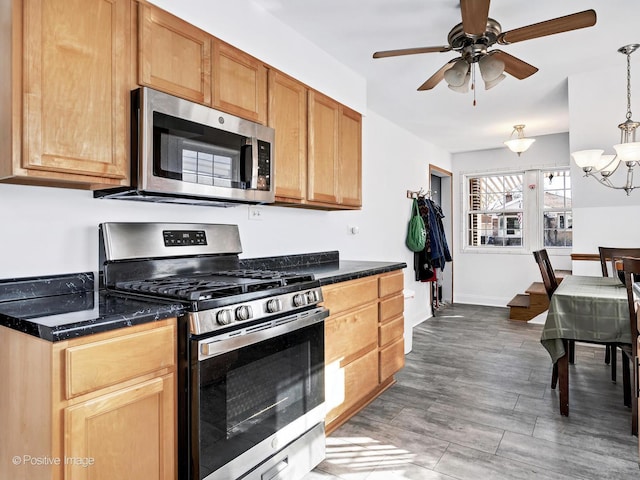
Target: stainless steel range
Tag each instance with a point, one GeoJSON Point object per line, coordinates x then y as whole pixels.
{"type": "Point", "coordinates": [251, 343]}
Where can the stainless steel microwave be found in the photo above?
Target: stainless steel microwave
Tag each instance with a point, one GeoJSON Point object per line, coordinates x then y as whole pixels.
{"type": "Point", "coordinates": [184, 152]}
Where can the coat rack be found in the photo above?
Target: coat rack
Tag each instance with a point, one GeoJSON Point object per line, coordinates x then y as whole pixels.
{"type": "Point", "coordinates": [420, 193]}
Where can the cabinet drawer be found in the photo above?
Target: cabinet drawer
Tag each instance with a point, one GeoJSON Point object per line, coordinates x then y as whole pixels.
{"type": "Point", "coordinates": [391, 307]}
{"type": "Point", "coordinates": [342, 296]}
{"type": "Point", "coordinates": [349, 334]}
{"type": "Point", "coordinates": [346, 386]}
{"type": "Point", "coordinates": [391, 283]}
{"type": "Point", "coordinates": [391, 330]}
{"type": "Point", "coordinates": [391, 359]}
{"type": "Point", "coordinates": [99, 364]}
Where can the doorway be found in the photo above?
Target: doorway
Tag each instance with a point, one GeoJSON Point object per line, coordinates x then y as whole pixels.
{"type": "Point", "coordinates": [440, 185]}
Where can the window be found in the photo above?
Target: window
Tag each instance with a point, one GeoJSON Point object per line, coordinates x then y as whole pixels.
{"type": "Point", "coordinates": [495, 207]}
{"type": "Point", "coordinates": [558, 220]}
{"type": "Point", "coordinates": [500, 212]}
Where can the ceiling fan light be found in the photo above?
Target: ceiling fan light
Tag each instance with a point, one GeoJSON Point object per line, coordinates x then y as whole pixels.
{"type": "Point", "coordinates": [456, 75]}
{"type": "Point", "coordinates": [490, 84]}
{"type": "Point", "coordinates": [464, 88]}
{"type": "Point", "coordinates": [491, 68]}
{"type": "Point", "coordinates": [587, 158]}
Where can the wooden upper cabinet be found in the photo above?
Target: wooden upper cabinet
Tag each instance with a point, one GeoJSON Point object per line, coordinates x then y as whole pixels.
{"type": "Point", "coordinates": [76, 79]}
{"type": "Point", "coordinates": [335, 153]}
{"type": "Point", "coordinates": [350, 158]}
{"type": "Point", "coordinates": [324, 121]}
{"type": "Point", "coordinates": [288, 116]}
{"type": "Point", "coordinates": [173, 55]}
{"type": "Point", "coordinates": [239, 83]}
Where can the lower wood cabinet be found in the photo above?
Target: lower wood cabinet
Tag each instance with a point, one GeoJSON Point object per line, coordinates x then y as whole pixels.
{"type": "Point", "coordinates": [97, 407]}
{"type": "Point", "coordinates": [364, 345]}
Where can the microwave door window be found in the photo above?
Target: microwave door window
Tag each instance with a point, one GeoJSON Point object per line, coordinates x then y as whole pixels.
{"type": "Point", "coordinates": [208, 165]}
{"type": "Point", "coordinates": [196, 153]}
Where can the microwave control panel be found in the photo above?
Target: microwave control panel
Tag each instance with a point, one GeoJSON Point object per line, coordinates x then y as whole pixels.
{"type": "Point", "coordinates": [264, 165]}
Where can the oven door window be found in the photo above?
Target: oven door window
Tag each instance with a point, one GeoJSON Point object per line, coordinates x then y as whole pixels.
{"type": "Point", "coordinates": [194, 153]}
{"type": "Point", "coordinates": [247, 395]}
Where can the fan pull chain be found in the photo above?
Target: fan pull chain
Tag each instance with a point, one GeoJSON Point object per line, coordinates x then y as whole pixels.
{"type": "Point", "coordinates": [473, 82]}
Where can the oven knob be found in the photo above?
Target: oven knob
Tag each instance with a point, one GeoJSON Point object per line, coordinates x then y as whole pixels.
{"type": "Point", "coordinates": [300, 299]}
{"type": "Point", "coordinates": [223, 317]}
{"type": "Point", "coordinates": [244, 312]}
{"type": "Point", "coordinates": [274, 305]}
{"type": "Point", "coordinates": [312, 296]}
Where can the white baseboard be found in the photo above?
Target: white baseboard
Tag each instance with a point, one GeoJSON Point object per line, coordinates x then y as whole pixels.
{"type": "Point", "coordinates": [482, 300]}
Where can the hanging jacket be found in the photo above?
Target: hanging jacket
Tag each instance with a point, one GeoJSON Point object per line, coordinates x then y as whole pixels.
{"type": "Point", "coordinates": [439, 248]}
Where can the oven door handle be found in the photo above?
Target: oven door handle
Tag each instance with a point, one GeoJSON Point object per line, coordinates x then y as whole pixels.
{"type": "Point", "coordinates": [221, 344]}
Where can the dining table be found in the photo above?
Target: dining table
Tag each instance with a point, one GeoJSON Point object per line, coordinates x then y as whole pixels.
{"type": "Point", "coordinates": [585, 309]}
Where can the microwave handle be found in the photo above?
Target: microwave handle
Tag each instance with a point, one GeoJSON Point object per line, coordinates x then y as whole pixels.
{"type": "Point", "coordinates": [246, 165]}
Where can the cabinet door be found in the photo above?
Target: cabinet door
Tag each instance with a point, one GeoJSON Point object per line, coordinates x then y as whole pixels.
{"type": "Point", "coordinates": [174, 56]}
{"type": "Point", "coordinates": [391, 359]}
{"type": "Point", "coordinates": [77, 79]}
{"type": "Point", "coordinates": [350, 160]}
{"type": "Point", "coordinates": [239, 83]}
{"type": "Point", "coordinates": [128, 433]}
{"type": "Point", "coordinates": [348, 386]}
{"type": "Point", "coordinates": [324, 119]}
{"type": "Point", "coordinates": [288, 116]}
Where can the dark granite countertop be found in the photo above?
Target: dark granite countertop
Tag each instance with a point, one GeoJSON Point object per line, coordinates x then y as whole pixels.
{"type": "Point", "coordinates": [67, 306]}
{"type": "Point", "coordinates": [325, 266]}
{"type": "Point", "coordinates": [60, 307]}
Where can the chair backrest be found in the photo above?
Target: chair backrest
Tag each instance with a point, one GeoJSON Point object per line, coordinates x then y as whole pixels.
{"type": "Point", "coordinates": [631, 267]}
{"type": "Point", "coordinates": [609, 255]}
{"type": "Point", "coordinates": [546, 270]}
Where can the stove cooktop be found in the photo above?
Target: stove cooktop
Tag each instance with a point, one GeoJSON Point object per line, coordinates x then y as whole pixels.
{"type": "Point", "coordinates": [214, 285]}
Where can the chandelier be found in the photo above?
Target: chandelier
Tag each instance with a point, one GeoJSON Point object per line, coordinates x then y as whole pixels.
{"type": "Point", "coordinates": [520, 143]}
{"type": "Point", "coordinates": [593, 162]}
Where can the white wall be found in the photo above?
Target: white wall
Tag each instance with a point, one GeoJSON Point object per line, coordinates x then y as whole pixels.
{"type": "Point", "coordinates": [494, 278]}
{"type": "Point", "coordinates": [50, 230]}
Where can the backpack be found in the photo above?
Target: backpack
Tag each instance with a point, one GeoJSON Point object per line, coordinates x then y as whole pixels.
{"type": "Point", "coordinates": [416, 233]}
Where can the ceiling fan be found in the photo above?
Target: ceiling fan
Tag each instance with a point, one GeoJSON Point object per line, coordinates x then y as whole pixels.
{"type": "Point", "coordinates": [476, 34]}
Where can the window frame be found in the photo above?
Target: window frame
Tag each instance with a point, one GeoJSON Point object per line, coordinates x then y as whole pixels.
{"type": "Point", "coordinates": [532, 211]}
{"type": "Point", "coordinates": [564, 209]}
{"type": "Point", "coordinates": [504, 213]}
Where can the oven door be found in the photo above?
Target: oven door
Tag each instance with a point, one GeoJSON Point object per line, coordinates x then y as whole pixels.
{"type": "Point", "coordinates": [254, 391]}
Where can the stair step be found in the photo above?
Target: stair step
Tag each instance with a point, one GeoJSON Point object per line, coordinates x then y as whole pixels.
{"type": "Point", "coordinates": [520, 300]}
{"type": "Point", "coordinates": [536, 288]}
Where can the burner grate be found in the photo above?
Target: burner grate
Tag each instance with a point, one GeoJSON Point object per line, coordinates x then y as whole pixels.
{"type": "Point", "coordinates": [287, 277]}
{"type": "Point", "coordinates": [183, 288]}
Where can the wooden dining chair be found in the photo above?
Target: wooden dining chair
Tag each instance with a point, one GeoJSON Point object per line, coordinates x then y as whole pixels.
{"type": "Point", "coordinates": [550, 285]}
{"type": "Point", "coordinates": [608, 257]}
{"type": "Point", "coordinates": [631, 268]}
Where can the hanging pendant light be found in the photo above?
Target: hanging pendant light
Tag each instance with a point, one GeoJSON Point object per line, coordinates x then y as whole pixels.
{"type": "Point", "coordinates": [520, 143]}
{"type": "Point", "coordinates": [627, 151]}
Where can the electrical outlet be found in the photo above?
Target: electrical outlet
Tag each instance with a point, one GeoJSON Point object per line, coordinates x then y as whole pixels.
{"type": "Point", "coordinates": [256, 213]}
{"type": "Point", "coordinates": [353, 229]}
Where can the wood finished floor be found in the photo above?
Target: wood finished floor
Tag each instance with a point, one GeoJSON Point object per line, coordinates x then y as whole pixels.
{"type": "Point", "coordinates": [474, 402]}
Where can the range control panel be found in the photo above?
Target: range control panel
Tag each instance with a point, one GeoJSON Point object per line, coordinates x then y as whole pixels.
{"type": "Point", "coordinates": [180, 238]}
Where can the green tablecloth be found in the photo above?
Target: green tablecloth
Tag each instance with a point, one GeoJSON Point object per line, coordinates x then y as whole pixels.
{"type": "Point", "coordinates": [591, 309]}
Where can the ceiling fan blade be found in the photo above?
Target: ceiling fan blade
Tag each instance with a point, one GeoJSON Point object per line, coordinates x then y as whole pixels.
{"type": "Point", "coordinates": [514, 66]}
{"type": "Point", "coordinates": [411, 51]}
{"type": "Point", "coordinates": [474, 16]}
{"type": "Point", "coordinates": [567, 23]}
{"type": "Point", "coordinates": [438, 76]}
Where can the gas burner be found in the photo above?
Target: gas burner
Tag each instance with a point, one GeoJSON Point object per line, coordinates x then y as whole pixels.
{"type": "Point", "coordinates": [289, 277]}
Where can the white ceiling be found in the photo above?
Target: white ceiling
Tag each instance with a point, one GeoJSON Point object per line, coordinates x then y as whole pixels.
{"type": "Point", "coordinates": [351, 30]}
